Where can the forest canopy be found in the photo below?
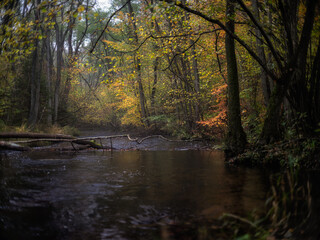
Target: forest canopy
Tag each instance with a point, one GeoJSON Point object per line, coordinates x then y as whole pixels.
{"type": "Point", "coordinates": [244, 70]}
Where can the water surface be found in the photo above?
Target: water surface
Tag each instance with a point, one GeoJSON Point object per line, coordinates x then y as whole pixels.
{"type": "Point", "coordinates": [120, 194]}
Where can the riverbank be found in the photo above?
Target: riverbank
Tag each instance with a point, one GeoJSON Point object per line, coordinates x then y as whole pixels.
{"type": "Point", "coordinates": [293, 202]}
{"type": "Point", "coordinates": [297, 153]}
{"type": "Point", "coordinates": [277, 222]}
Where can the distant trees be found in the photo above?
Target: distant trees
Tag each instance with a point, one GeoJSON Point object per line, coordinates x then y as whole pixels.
{"type": "Point", "coordinates": [39, 55]}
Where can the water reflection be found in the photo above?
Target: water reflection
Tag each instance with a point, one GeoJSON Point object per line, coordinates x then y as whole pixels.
{"type": "Point", "coordinates": [119, 195]}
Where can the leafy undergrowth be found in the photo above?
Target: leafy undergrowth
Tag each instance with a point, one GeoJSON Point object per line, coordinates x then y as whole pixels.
{"type": "Point", "coordinates": [298, 153]}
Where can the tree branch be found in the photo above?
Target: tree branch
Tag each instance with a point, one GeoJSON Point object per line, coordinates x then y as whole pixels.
{"type": "Point", "coordinates": [236, 37]}
{"type": "Point", "coordinates": [161, 37]}
{"type": "Point", "coordinates": [105, 28]}
{"type": "Point", "coordinates": [177, 54]}
{"type": "Point", "coordinates": [264, 34]}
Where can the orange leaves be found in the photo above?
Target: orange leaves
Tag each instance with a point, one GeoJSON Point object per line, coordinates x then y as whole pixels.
{"type": "Point", "coordinates": [218, 116]}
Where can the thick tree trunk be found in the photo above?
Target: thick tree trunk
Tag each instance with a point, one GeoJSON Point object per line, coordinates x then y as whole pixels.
{"type": "Point", "coordinates": [236, 138]}
{"type": "Point", "coordinates": [271, 128]}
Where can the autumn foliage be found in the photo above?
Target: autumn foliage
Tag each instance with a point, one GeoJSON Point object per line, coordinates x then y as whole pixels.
{"type": "Point", "coordinates": [154, 65]}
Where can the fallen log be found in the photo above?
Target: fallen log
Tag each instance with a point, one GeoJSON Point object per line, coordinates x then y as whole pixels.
{"type": "Point", "coordinates": [87, 142]}
{"type": "Point", "coordinates": [50, 138]}
{"type": "Point", "coordinates": [13, 146]}
{"type": "Point", "coordinates": [42, 137]}
{"type": "Point", "coordinates": [34, 135]}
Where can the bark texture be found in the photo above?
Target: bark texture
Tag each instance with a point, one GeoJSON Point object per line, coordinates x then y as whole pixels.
{"type": "Point", "coordinates": [236, 137]}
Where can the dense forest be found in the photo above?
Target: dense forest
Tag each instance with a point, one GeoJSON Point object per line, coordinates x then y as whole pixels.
{"type": "Point", "coordinates": [238, 75]}
{"type": "Point", "coordinates": [239, 70]}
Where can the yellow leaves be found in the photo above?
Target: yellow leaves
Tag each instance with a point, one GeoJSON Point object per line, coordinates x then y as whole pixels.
{"type": "Point", "coordinates": [81, 8]}
{"type": "Point", "coordinates": [107, 42]}
{"type": "Point", "coordinates": [132, 115]}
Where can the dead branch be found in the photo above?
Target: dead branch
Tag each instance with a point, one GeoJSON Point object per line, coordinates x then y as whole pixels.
{"type": "Point", "coordinates": [87, 142]}
{"type": "Point", "coordinates": [12, 146]}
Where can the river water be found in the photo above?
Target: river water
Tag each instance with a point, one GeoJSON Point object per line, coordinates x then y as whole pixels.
{"type": "Point", "coordinates": [120, 194]}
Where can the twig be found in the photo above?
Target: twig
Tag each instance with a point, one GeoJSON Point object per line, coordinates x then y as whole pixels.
{"type": "Point", "coordinates": [73, 146]}
{"type": "Point", "coordinates": [166, 36]}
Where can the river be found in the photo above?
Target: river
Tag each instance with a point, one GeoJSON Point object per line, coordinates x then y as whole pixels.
{"type": "Point", "coordinates": [121, 194]}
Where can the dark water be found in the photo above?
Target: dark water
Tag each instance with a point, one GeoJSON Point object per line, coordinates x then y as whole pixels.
{"type": "Point", "coordinates": [119, 195]}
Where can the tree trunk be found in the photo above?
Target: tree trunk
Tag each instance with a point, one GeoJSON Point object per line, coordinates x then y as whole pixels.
{"type": "Point", "coordinates": [142, 99]}
{"type": "Point", "coordinates": [35, 78]}
{"type": "Point", "coordinates": [271, 128]}
{"type": "Point", "coordinates": [293, 76]}
{"type": "Point", "coordinates": [58, 80]}
{"type": "Point", "coordinates": [70, 59]}
{"type": "Point", "coordinates": [266, 90]}
{"type": "Point", "coordinates": [48, 80]}
{"type": "Point", "coordinates": [69, 66]}
{"type": "Point", "coordinates": [35, 88]}
{"type": "Point", "coordinates": [196, 81]}
{"type": "Point", "coordinates": [236, 137]}
{"type": "Point", "coordinates": [154, 86]}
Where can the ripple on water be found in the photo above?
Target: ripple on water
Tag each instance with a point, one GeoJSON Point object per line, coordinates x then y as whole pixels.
{"type": "Point", "coordinates": [119, 195]}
